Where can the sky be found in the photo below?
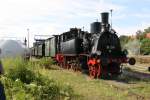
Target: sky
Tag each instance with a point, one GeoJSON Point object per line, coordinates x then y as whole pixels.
{"type": "Point", "coordinates": [49, 17]}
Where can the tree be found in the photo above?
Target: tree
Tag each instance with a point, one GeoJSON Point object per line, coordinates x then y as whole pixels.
{"type": "Point", "coordinates": [145, 46]}
{"type": "Point", "coordinates": [139, 35]}
{"type": "Point", "coordinates": [147, 30]}
{"type": "Point", "coordinates": [124, 40]}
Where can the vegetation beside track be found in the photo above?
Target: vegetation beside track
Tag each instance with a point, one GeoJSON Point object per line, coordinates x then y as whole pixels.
{"type": "Point", "coordinates": [41, 80]}
{"type": "Point", "coordinates": [23, 81]}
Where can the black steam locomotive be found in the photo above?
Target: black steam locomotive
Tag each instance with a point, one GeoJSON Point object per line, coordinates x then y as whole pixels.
{"type": "Point", "coordinates": [99, 51]}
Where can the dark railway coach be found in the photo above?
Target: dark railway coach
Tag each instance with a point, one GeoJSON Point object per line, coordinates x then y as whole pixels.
{"type": "Point", "coordinates": [71, 43]}
{"type": "Point", "coordinates": [73, 46]}
{"type": "Point", "coordinates": [51, 47]}
{"type": "Point", "coordinates": [41, 50]}
{"type": "Point", "coordinates": [36, 51]}
{"type": "Point", "coordinates": [32, 51]}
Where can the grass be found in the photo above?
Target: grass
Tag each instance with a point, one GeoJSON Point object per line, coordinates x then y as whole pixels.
{"type": "Point", "coordinates": [88, 89]}
{"type": "Point", "coordinates": [70, 85]}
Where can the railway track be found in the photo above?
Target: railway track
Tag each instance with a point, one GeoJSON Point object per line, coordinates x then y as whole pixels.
{"type": "Point", "coordinates": [139, 71]}
{"type": "Point", "coordinates": [121, 86]}
{"type": "Point", "coordinates": [140, 67]}
{"type": "Point", "coordinates": [135, 74]}
{"type": "Point", "coordinates": [130, 79]}
{"type": "Point", "coordinates": [143, 59]}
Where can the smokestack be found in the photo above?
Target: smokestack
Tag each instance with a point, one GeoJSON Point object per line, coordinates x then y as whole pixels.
{"type": "Point", "coordinates": [105, 17]}
{"type": "Point", "coordinates": [104, 24]}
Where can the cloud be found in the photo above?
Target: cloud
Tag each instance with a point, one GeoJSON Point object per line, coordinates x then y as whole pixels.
{"type": "Point", "coordinates": [27, 13]}
{"type": "Point", "coordinates": [18, 15]}
{"type": "Point", "coordinates": [131, 30]}
{"type": "Point", "coordinates": [142, 16]}
{"type": "Point", "coordinates": [56, 16]}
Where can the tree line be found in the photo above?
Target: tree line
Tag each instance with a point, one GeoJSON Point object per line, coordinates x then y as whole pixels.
{"type": "Point", "coordinates": [141, 37]}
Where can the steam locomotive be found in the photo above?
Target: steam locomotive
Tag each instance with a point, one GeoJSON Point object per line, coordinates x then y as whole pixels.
{"type": "Point", "coordinates": [99, 51]}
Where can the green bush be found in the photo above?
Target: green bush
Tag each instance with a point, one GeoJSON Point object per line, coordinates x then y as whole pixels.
{"type": "Point", "coordinates": [40, 88]}
{"type": "Point", "coordinates": [47, 91]}
{"type": "Point", "coordinates": [21, 72]}
{"type": "Point", "coordinates": [47, 63]}
{"type": "Point", "coordinates": [22, 83]}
